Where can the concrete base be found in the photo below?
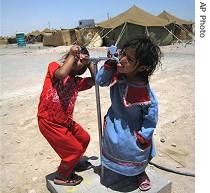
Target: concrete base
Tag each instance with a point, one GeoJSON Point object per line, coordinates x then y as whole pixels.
{"type": "Point", "coordinates": [110, 182]}
{"type": "Point", "coordinates": [122, 183]}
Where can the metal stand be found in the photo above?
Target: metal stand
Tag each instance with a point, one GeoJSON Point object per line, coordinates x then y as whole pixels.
{"type": "Point", "coordinates": [112, 51]}
{"type": "Point", "coordinates": [99, 115]}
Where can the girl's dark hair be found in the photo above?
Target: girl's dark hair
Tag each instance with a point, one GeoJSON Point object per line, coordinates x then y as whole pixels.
{"type": "Point", "coordinates": [83, 50]}
{"type": "Point", "coordinates": [147, 53]}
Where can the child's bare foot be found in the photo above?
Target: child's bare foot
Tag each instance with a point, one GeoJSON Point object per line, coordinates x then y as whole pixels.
{"type": "Point", "coordinates": [144, 182]}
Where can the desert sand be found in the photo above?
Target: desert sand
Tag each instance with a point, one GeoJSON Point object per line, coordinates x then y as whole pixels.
{"type": "Point", "coordinates": [26, 157]}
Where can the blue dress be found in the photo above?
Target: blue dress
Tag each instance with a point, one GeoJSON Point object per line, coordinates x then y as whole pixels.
{"type": "Point", "coordinates": [134, 108]}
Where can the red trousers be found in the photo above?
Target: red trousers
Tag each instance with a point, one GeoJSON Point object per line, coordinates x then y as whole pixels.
{"type": "Point", "coordinates": [69, 143]}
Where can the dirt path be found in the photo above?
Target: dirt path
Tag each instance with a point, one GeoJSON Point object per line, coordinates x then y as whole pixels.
{"type": "Point", "coordinates": [26, 157]}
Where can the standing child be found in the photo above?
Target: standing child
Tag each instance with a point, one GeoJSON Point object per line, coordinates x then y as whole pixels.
{"type": "Point", "coordinates": [130, 121]}
{"type": "Point", "coordinates": [55, 112]}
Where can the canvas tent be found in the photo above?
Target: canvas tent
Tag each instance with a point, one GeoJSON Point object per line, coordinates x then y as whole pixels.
{"type": "Point", "coordinates": [59, 38]}
{"type": "Point", "coordinates": [182, 28]}
{"type": "Point", "coordinates": [133, 23]}
{"type": "Point", "coordinates": [88, 36]}
{"type": "Point", "coordinates": [34, 36]}
{"type": "Point", "coordinates": [171, 18]}
{"type": "Point", "coordinates": [84, 36]}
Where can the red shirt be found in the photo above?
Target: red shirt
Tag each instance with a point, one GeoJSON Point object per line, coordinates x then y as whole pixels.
{"type": "Point", "coordinates": [58, 97]}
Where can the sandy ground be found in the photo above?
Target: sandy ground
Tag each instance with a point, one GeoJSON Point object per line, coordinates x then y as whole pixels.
{"type": "Point", "coordinates": [26, 157]}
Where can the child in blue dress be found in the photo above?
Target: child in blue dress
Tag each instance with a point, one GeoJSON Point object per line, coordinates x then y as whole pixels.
{"type": "Point", "coordinates": [131, 119]}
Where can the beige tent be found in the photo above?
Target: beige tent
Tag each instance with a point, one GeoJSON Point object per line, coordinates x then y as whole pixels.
{"type": "Point", "coordinates": [59, 38]}
{"type": "Point", "coordinates": [34, 36]}
{"type": "Point", "coordinates": [88, 36]}
{"type": "Point", "coordinates": [183, 28]}
{"type": "Point", "coordinates": [135, 16]}
{"type": "Point", "coordinates": [84, 36]}
{"type": "Point", "coordinates": [3, 40]}
{"type": "Point", "coordinates": [171, 18]}
{"type": "Point", "coordinates": [135, 22]}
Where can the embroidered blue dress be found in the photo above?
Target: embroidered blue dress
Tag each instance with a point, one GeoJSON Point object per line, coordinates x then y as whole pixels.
{"type": "Point", "coordinates": [133, 108]}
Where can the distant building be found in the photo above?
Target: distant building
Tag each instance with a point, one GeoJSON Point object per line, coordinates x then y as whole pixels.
{"type": "Point", "coordinates": [86, 23]}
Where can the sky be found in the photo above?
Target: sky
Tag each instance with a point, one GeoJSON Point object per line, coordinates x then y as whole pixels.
{"type": "Point", "coordinates": [30, 15]}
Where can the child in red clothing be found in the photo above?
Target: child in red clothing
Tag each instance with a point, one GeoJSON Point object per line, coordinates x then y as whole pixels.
{"type": "Point", "coordinates": [55, 111]}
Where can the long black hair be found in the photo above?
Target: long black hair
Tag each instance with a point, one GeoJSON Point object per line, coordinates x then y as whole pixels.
{"type": "Point", "coordinates": [147, 53]}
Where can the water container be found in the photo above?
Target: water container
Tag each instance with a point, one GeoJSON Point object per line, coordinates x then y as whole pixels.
{"type": "Point", "coordinates": [20, 37]}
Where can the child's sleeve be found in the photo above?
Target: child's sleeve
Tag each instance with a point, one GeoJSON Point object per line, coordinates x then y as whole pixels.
{"type": "Point", "coordinates": [52, 67]}
{"type": "Point", "coordinates": [84, 83]}
{"type": "Point", "coordinates": [104, 77]}
{"type": "Point", "coordinates": [150, 120]}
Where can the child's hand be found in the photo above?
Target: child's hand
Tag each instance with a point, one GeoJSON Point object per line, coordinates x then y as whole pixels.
{"type": "Point", "coordinates": [78, 56]}
{"type": "Point", "coordinates": [111, 64]}
{"type": "Point", "coordinates": [75, 51]}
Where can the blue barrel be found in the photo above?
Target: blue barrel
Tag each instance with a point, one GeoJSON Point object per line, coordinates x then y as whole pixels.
{"type": "Point", "coordinates": [20, 37]}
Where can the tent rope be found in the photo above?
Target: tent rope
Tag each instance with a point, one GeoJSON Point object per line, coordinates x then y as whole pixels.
{"type": "Point", "coordinates": [100, 32]}
{"type": "Point", "coordinates": [173, 34]}
{"type": "Point", "coordinates": [121, 34]}
{"type": "Point", "coordinates": [107, 33]}
{"type": "Point", "coordinates": [183, 28]}
{"type": "Point", "coordinates": [147, 32]}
